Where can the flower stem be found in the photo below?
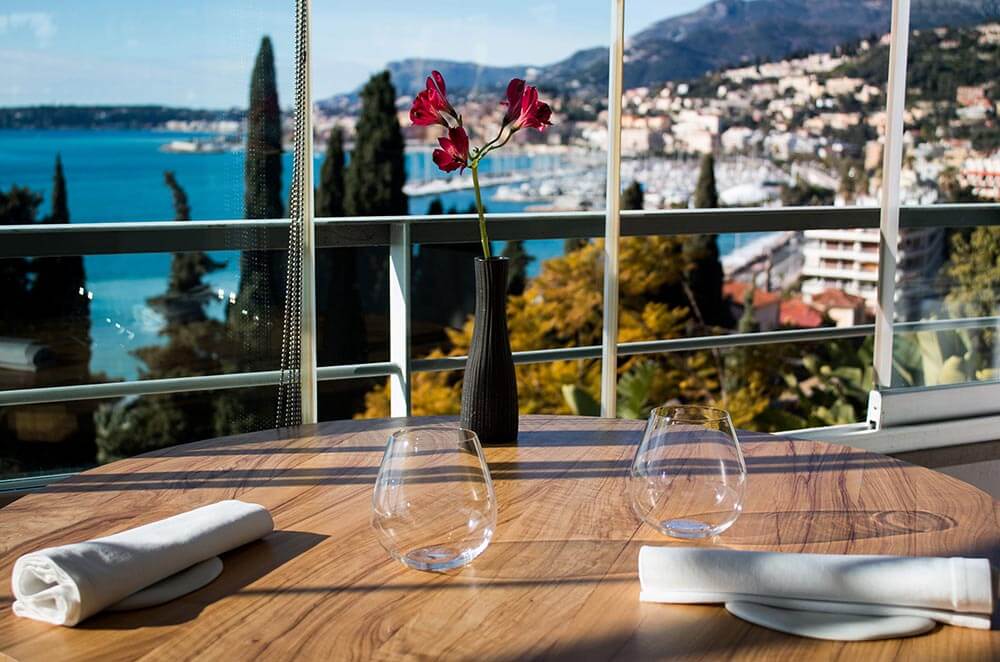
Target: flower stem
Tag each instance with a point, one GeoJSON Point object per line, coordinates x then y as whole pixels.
{"type": "Point", "coordinates": [479, 207]}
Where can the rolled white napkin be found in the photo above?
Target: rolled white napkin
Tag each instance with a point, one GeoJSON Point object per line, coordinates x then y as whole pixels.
{"type": "Point", "coordinates": [64, 585]}
{"type": "Point", "coordinates": [957, 591]}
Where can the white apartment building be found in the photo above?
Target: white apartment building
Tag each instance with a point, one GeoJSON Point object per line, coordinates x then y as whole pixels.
{"type": "Point", "coordinates": [847, 260]}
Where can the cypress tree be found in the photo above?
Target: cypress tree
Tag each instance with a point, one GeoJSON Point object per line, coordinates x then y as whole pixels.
{"type": "Point", "coordinates": [517, 277]}
{"type": "Point", "coordinates": [330, 194]}
{"type": "Point", "coordinates": [262, 167]}
{"type": "Point", "coordinates": [340, 323]}
{"type": "Point", "coordinates": [60, 307]}
{"type": "Point", "coordinates": [435, 208]}
{"type": "Point", "coordinates": [443, 284]}
{"type": "Point", "coordinates": [703, 270]}
{"type": "Point", "coordinates": [373, 187]}
{"type": "Point", "coordinates": [262, 282]}
{"type": "Point", "coordinates": [632, 196]}
{"type": "Point", "coordinates": [376, 175]}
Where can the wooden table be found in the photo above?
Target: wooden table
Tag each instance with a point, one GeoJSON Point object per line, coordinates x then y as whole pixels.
{"type": "Point", "coordinates": [559, 580]}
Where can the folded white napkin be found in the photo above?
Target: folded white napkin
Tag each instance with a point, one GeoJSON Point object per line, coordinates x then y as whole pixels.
{"type": "Point", "coordinates": [64, 585]}
{"type": "Point", "coordinates": [956, 591]}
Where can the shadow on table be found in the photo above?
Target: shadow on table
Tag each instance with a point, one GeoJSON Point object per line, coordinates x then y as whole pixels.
{"type": "Point", "coordinates": [242, 567]}
{"type": "Point", "coordinates": [365, 475]}
{"type": "Point", "coordinates": [819, 526]}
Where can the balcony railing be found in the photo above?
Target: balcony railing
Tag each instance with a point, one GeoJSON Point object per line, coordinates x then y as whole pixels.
{"type": "Point", "coordinates": [137, 237]}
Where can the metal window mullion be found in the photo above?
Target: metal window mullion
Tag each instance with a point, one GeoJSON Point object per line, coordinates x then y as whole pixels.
{"type": "Point", "coordinates": [892, 162]}
{"type": "Point", "coordinates": [612, 218]}
{"type": "Point", "coordinates": [400, 250]}
{"type": "Point", "coordinates": [308, 363]}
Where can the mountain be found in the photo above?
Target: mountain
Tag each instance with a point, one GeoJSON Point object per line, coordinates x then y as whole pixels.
{"type": "Point", "coordinates": [728, 32]}
{"type": "Point", "coordinates": [721, 33]}
{"type": "Point", "coordinates": [409, 75]}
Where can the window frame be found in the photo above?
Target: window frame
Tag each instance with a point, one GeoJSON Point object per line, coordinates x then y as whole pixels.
{"type": "Point", "coordinates": [893, 412]}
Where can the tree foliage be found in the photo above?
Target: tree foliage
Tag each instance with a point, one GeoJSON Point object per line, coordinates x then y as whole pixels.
{"type": "Point", "coordinates": [194, 344]}
{"type": "Point", "coordinates": [703, 270]}
{"type": "Point", "coordinates": [254, 321]}
{"type": "Point", "coordinates": [61, 309]}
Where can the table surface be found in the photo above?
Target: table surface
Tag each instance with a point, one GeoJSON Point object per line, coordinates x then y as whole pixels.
{"type": "Point", "coordinates": [558, 581]}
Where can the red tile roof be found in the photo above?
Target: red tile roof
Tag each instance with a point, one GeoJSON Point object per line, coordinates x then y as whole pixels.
{"type": "Point", "coordinates": [736, 291]}
{"type": "Point", "coordinates": [797, 313]}
{"type": "Point", "coordinates": [834, 298]}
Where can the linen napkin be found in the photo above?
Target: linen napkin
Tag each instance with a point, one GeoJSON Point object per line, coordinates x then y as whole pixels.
{"type": "Point", "coordinates": [955, 591]}
{"type": "Point", "coordinates": [64, 585]}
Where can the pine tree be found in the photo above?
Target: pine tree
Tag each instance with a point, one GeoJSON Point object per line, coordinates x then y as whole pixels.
{"type": "Point", "coordinates": [517, 277]}
{"type": "Point", "coordinates": [17, 207]}
{"type": "Point", "coordinates": [632, 196]}
{"type": "Point", "coordinates": [340, 323]}
{"type": "Point", "coordinates": [61, 309]}
{"type": "Point", "coordinates": [194, 346]}
{"type": "Point", "coordinates": [703, 278]}
{"type": "Point", "coordinates": [186, 294]}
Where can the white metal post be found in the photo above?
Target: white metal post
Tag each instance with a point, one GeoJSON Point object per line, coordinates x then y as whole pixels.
{"type": "Point", "coordinates": [399, 318]}
{"type": "Point", "coordinates": [892, 163]}
{"type": "Point", "coordinates": [612, 219]}
{"type": "Point", "coordinates": [310, 408]}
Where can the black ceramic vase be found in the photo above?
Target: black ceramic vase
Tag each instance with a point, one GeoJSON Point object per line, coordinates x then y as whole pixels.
{"type": "Point", "coordinates": [489, 392]}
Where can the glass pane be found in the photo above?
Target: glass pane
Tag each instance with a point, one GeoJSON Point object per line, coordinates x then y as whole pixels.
{"type": "Point", "coordinates": [361, 112]}
{"type": "Point", "coordinates": [951, 140]}
{"type": "Point", "coordinates": [790, 119]}
{"type": "Point", "coordinates": [949, 156]}
{"type": "Point", "coordinates": [105, 318]}
{"type": "Point", "coordinates": [138, 113]}
{"type": "Point", "coordinates": [71, 436]}
{"type": "Point", "coordinates": [125, 92]}
{"type": "Point", "coordinates": [966, 288]}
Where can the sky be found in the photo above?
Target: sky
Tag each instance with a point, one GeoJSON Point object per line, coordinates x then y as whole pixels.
{"type": "Point", "coordinates": [199, 54]}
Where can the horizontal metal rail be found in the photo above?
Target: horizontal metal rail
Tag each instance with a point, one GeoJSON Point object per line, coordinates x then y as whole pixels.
{"type": "Point", "coordinates": [170, 236]}
{"type": "Point", "coordinates": [31, 396]}
{"type": "Point", "coordinates": [34, 396]}
{"type": "Point", "coordinates": [660, 346]}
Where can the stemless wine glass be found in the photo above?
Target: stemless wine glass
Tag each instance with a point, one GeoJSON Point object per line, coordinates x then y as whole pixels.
{"type": "Point", "coordinates": [688, 476]}
{"type": "Point", "coordinates": [433, 506]}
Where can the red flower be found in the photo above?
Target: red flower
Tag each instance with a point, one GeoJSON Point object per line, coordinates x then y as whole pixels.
{"type": "Point", "coordinates": [431, 106]}
{"type": "Point", "coordinates": [523, 107]}
{"type": "Point", "coordinates": [454, 152]}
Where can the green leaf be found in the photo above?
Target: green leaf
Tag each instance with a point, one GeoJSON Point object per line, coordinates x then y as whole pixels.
{"type": "Point", "coordinates": [580, 402]}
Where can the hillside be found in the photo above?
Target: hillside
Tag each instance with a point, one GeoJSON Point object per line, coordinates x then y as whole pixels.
{"type": "Point", "coordinates": [722, 33]}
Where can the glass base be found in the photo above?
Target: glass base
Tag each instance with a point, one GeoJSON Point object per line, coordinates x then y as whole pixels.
{"type": "Point", "coordinates": [439, 558]}
{"type": "Point", "coordinates": [692, 528]}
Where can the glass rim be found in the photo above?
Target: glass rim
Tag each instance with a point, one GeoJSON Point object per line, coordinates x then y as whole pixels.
{"type": "Point", "coordinates": [466, 433]}
{"type": "Point", "coordinates": [706, 413]}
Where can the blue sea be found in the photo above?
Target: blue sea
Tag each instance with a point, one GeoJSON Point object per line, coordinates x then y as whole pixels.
{"type": "Point", "coordinates": [116, 176]}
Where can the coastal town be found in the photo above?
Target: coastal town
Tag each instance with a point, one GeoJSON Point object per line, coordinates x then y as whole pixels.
{"type": "Point", "coordinates": [804, 130]}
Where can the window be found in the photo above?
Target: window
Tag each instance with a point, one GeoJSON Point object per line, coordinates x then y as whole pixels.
{"type": "Point", "coordinates": [747, 270]}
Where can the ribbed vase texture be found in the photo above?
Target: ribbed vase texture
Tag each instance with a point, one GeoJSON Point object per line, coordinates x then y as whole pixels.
{"type": "Point", "coordinates": [489, 392]}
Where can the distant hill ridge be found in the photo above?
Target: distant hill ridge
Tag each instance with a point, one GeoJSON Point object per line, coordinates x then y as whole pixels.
{"type": "Point", "coordinates": [721, 33]}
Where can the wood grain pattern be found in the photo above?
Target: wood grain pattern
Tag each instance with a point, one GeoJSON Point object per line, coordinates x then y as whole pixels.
{"type": "Point", "coordinates": [558, 582]}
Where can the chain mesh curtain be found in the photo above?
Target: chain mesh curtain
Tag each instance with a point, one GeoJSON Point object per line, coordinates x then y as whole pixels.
{"type": "Point", "coordinates": [289, 408]}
